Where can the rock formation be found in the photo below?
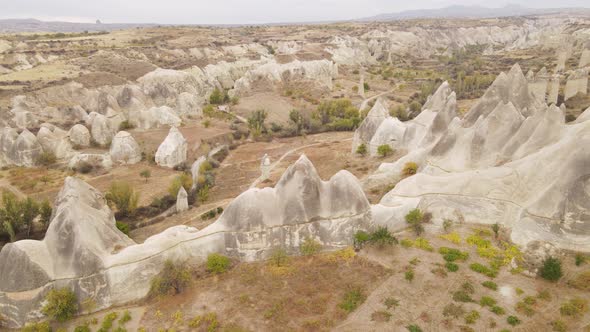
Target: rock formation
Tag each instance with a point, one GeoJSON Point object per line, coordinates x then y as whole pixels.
{"type": "Point", "coordinates": [154, 117]}
{"type": "Point", "coordinates": [181, 200]}
{"type": "Point", "coordinates": [172, 151]}
{"type": "Point", "coordinates": [576, 83]}
{"type": "Point", "coordinates": [84, 251]}
{"type": "Point", "coordinates": [55, 140]}
{"type": "Point", "coordinates": [79, 136]}
{"type": "Point", "coordinates": [485, 167]}
{"type": "Point", "coordinates": [94, 160]}
{"type": "Point", "coordinates": [369, 126]}
{"type": "Point", "coordinates": [124, 149]}
{"type": "Point", "coordinates": [101, 129]}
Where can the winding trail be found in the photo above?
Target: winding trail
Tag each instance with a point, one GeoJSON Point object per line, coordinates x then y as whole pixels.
{"type": "Point", "coordinates": [286, 154]}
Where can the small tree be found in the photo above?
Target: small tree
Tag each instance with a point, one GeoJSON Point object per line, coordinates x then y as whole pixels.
{"type": "Point", "coordinates": [203, 194]}
{"type": "Point", "coordinates": [123, 196]}
{"type": "Point", "coordinates": [279, 256]}
{"type": "Point", "coordinates": [297, 119]}
{"type": "Point", "coordinates": [9, 215]}
{"type": "Point", "coordinates": [146, 174]}
{"type": "Point", "coordinates": [256, 122]}
{"type": "Point", "coordinates": [414, 218]}
{"type": "Point", "coordinates": [61, 304]}
{"type": "Point", "coordinates": [384, 150]}
{"type": "Point", "coordinates": [551, 269]}
{"type": "Point", "coordinates": [496, 229]}
{"type": "Point", "coordinates": [362, 149]}
{"type": "Point", "coordinates": [47, 158]}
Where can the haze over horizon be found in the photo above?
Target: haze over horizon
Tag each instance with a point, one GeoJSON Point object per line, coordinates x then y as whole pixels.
{"type": "Point", "coordinates": [235, 11]}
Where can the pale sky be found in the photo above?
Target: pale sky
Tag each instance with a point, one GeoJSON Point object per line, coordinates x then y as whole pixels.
{"type": "Point", "coordinates": [233, 11]}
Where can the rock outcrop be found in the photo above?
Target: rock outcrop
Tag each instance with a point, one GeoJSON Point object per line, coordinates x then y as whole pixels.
{"type": "Point", "coordinates": [576, 83]}
{"type": "Point", "coordinates": [102, 129]}
{"type": "Point", "coordinates": [181, 200]}
{"type": "Point", "coordinates": [485, 168]}
{"type": "Point", "coordinates": [79, 136]}
{"type": "Point", "coordinates": [84, 251]}
{"type": "Point", "coordinates": [55, 140]}
{"type": "Point", "coordinates": [124, 149]}
{"type": "Point", "coordinates": [155, 117]}
{"type": "Point", "coordinates": [172, 151]}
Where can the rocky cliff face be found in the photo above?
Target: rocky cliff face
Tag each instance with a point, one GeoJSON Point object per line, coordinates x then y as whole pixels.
{"type": "Point", "coordinates": [485, 168]}
{"type": "Point", "coordinates": [83, 249]}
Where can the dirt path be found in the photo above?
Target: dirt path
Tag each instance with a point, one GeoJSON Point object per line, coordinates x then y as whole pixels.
{"type": "Point", "coordinates": [286, 154]}
{"type": "Point", "coordinates": [4, 184]}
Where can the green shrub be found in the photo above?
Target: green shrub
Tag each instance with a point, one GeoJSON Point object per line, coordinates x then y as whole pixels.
{"type": "Point", "coordinates": [123, 227]}
{"type": "Point", "coordinates": [203, 194]}
{"type": "Point", "coordinates": [410, 168]}
{"type": "Point", "coordinates": [452, 267]}
{"type": "Point", "coordinates": [82, 328]}
{"type": "Point", "coordinates": [487, 301]}
{"type": "Point", "coordinates": [382, 237]}
{"type": "Point", "coordinates": [184, 180]}
{"type": "Point", "coordinates": [574, 307]}
{"type": "Point", "coordinates": [479, 268]}
{"type": "Point", "coordinates": [362, 149]}
{"type": "Point", "coordinates": [173, 279]}
{"type": "Point", "coordinates": [559, 326]}
{"type": "Point", "coordinates": [360, 238]}
{"type": "Point", "coordinates": [472, 317]}
{"type": "Point", "coordinates": [217, 263]}
{"type": "Point", "coordinates": [37, 327]}
{"type": "Point", "coordinates": [409, 275]}
{"type": "Point", "coordinates": [107, 323]}
{"type": "Point", "coordinates": [497, 310]}
{"type": "Point", "coordinates": [61, 304]}
{"type": "Point", "coordinates": [451, 254]}
{"type": "Point", "coordinates": [205, 322]}
{"type": "Point", "coordinates": [490, 284]}
{"type": "Point", "coordinates": [413, 328]}
{"type": "Point", "coordinates": [384, 150]}
{"type": "Point", "coordinates": [218, 97]}
{"type": "Point", "coordinates": [125, 318]}
{"type": "Point", "coordinates": [123, 196]}
{"type": "Point", "coordinates": [529, 300]}
{"type": "Point", "coordinates": [551, 269]}
{"type": "Point", "coordinates": [353, 297]}
{"type": "Point", "coordinates": [414, 218]}
{"type": "Point", "coordinates": [513, 320]}
{"type": "Point", "coordinates": [310, 247]}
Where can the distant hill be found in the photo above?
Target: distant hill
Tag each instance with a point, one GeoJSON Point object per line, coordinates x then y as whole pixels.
{"type": "Point", "coordinates": [33, 25]}
{"type": "Point", "coordinates": [473, 12]}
